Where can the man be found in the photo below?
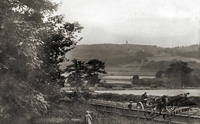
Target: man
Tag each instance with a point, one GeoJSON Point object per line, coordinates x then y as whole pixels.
{"type": "Point", "coordinates": [144, 98]}
{"type": "Point", "coordinates": [88, 118]}
{"type": "Point", "coordinates": [164, 102]}
{"type": "Point", "coordinates": [185, 97]}
{"type": "Point", "coordinates": [130, 105]}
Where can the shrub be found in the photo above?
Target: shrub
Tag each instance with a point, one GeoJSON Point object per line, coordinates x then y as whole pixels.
{"type": "Point", "coordinates": [19, 102]}
{"type": "Point", "coordinates": [127, 86]}
{"type": "Point", "coordinates": [108, 85]}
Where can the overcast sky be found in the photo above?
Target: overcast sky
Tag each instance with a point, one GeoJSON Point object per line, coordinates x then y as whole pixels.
{"type": "Point", "coordinates": [166, 23]}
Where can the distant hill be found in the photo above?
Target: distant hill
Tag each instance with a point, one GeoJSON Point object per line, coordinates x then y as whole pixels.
{"type": "Point", "coordinates": [103, 51]}
{"type": "Point", "coordinates": [121, 54]}
{"type": "Point", "coordinates": [188, 48]}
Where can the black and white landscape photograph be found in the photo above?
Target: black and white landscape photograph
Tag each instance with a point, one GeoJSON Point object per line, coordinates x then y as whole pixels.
{"type": "Point", "coordinates": [99, 61]}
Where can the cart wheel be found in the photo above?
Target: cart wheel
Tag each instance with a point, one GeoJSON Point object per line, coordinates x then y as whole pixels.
{"type": "Point", "coordinates": [168, 115]}
{"type": "Point", "coordinates": [140, 106]}
{"type": "Point", "coordinates": [149, 114]}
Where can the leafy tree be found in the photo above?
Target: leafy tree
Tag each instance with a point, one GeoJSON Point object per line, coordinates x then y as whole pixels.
{"type": "Point", "coordinates": [135, 79]}
{"type": "Point", "coordinates": [140, 56]}
{"type": "Point", "coordinates": [178, 69]}
{"type": "Point", "coordinates": [56, 45]}
{"type": "Point", "coordinates": [93, 68]}
{"type": "Point", "coordinates": [31, 47]}
{"type": "Point", "coordinates": [77, 71]}
{"type": "Point", "coordinates": [81, 73]}
{"type": "Point", "coordinates": [159, 74]}
{"type": "Point", "coordinates": [143, 54]}
{"type": "Point", "coordinates": [180, 73]}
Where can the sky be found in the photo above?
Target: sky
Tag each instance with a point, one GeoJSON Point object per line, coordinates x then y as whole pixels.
{"type": "Point", "coordinates": [165, 23]}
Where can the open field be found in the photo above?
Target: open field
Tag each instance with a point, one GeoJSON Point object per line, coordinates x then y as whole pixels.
{"type": "Point", "coordinates": [73, 112]}
{"type": "Point", "coordinates": [171, 58]}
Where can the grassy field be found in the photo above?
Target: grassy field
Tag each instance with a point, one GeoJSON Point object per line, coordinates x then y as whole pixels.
{"type": "Point", "coordinates": [73, 112]}
{"type": "Point", "coordinates": [171, 58]}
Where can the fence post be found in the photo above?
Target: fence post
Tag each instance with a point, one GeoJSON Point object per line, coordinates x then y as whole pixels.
{"type": "Point", "coordinates": [104, 107]}
{"type": "Point", "coordinates": [115, 108]}
{"type": "Point", "coordinates": [124, 111]}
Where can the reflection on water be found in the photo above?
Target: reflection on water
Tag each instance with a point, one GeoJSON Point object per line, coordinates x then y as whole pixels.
{"type": "Point", "coordinates": [169, 92]}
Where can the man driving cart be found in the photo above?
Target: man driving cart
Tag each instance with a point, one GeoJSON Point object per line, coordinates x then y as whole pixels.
{"type": "Point", "coordinates": [144, 98]}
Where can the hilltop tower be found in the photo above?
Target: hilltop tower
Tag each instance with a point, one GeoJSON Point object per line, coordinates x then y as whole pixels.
{"type": "Point", "coordinates": [126, 42]}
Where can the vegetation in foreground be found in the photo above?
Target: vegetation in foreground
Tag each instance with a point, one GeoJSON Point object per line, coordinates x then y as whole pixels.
{"type": "Point", "coordinates": [71, 110]}
{"type": "Point", "coordinates": [33, 45]}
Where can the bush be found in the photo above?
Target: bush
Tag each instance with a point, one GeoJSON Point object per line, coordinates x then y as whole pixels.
{"type": "Point", "coordinates": [108, 85]}
{"type": "Point", "coordinates": [117, 97]}
{"type": "Point", "coordinates": [127, 86]}
{"type": "Point", "coordinates": [19, 102]}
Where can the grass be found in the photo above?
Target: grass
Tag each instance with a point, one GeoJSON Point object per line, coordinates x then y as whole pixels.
{"type": "Point", "coordinates": [65, 112]}
{"type": "Point", "coordinates": [71, 110]}
{"type": "Point", "coordinates": [170, 58]}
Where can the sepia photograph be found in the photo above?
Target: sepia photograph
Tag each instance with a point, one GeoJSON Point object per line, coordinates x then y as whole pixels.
{"type": "Point", "coordinates": [99, 61]}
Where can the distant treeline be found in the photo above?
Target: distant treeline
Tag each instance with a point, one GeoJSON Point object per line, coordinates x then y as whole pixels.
{"type": "Point", "coordinates": [172, 74]}
{"type": "Point", "coordinates": [162, 65]}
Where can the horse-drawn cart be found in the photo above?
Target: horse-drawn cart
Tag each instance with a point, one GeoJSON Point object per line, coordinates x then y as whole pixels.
{"type": "Point", "coordinates": [165, 106]}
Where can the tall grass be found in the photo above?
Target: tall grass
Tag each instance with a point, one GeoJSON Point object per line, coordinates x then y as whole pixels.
{"type": "Point", "coordinates": [73, 111]}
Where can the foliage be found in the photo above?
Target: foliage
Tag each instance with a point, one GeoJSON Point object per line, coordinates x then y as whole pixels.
{"type": "Point", "coordinates": [156, 66]}
{"type": "Point", "coordinates": [32, 45]}
{"type": "Point", "coordinates": [19, 102]}
{"type": "Point", "coordinates": [143, 54]}
{"type": "Point", "coordinates": [127, 86]}
{"type": "Point", "coordinates": [93, 68]}
{"type": "Point", "coordinates": [178, 68]}
{"type": "Point", "coordinates": [74, 113]}
{"type": "Point", "coordinates": [193, 54]}
{"type": "Point", "coordinates": [82, 73]}
{"type": "Point", "coordinates": [180, 72]}
{"type": "Point", "coordinates": [178, 75]}
{"type": "Point", "coordinates": [59, 41]}
{"type": "Point", "coordinates": [160, 74]}
{"type": "Point", "coordinates": [135, 79]}
{"type": "Point", "coordinates": [77, 72]}
{"type": "Point", "coordinates": [19, 34]}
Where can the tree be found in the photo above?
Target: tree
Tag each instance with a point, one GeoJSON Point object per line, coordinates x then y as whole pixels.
{"type": "Point", "coordinates": [180, 73]}
{"type": "Point", "coordinates": [178, 69]}
{"type": "Point", "coordinates": [77, 71]}
{"type": "Point", "coordinates": [81, 73]}
{"type": "Point", "coordinates": [140, 56]}
{"type": "Point", "coordinates": [160, 74]}
{"type": "Point", "coordinates": [93, 68]}
{"type": "Point", "coordinates": [19, 30]}
{"type": "Point", "coordinates": [135, 79]}
{"type": "Point", "coordinates": [20, 22]}
{"type": "Point", "coordinates": [30, 52]}
{"type": "Point", "coordinates": [56, 45]}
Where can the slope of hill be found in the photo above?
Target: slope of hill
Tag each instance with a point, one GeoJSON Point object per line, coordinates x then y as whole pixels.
{"type": "Point", "coordinates": [188, 48]}
{"type": "Point", "coordinates": [120, 54]}
{"type": "Point", "coordinates": [171, 58]}
{"type": "Point", "coordinates": [103, 51]}
{"type": "Point", "coordinates": [120, 59]}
